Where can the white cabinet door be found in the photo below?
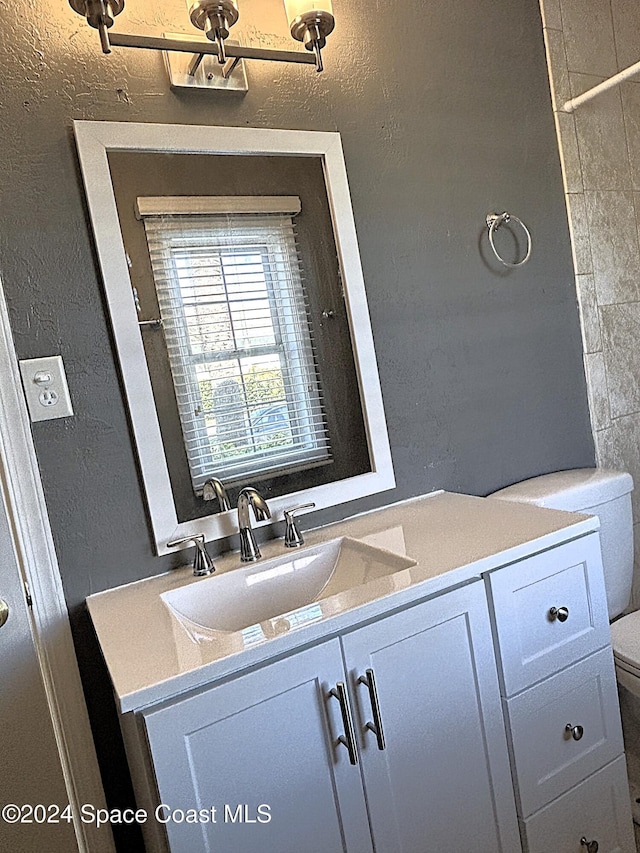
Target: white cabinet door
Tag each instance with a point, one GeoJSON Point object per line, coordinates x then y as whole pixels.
{"type": "Point", "coordinates": [266, 739]}
{"type": "Point", "coordinates": [442, 781]}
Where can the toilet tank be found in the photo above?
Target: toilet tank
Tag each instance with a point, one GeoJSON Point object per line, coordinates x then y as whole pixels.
{"type": "Point", "coordinates": [593, 491]}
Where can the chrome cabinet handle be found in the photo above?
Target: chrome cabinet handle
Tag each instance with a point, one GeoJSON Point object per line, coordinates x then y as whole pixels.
{"type": "Point", "coordinates": [369, 680]}
{"type": "Point", "coordinates": [348, 739]}
{"type": "Point", "coordinates": [559, 613]}
{"type": "Point", "coordinates": [592, 846]}
{"type": "Point", "coordinates": [4, 612]}
{"type": "Point", "coordinates": [576, 731]}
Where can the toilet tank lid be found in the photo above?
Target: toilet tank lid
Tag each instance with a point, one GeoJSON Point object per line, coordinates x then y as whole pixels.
{"type": "Point", "coordinates": [573, 491]}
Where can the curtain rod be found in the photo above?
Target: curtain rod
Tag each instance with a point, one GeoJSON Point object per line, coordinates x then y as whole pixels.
{"type": "Point", "coordinates": [620, 77]}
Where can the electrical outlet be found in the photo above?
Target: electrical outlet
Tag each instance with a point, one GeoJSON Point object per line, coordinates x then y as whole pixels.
{"type": "Point", "coordinates": [45, 387]}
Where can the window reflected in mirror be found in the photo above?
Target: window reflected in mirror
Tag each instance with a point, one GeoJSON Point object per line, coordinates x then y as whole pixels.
{"type": "Point", "coordinates": [253, 371]}
{"type": "Point", "coordinates": [235, 318]}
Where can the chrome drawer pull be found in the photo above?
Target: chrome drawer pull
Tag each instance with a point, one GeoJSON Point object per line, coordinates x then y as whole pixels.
{"type": "Point", "coordinates": [576, 731]}
{"type": "Point", "coordinates": [559, 613]}
{"type": "Point", "coordinates": [348, 739]}
{"type": "Point", "coordinates": [4, 612]}
{"type": "Point", "coordinates": [592, 846]}
{"type": "Point", "coordinates": [369, 680]}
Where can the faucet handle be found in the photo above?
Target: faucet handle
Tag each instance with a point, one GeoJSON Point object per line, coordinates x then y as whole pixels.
{"type": "Point", "coordinates": [292, 536]}
{"type": "Point", "coordinates": [202, 562]}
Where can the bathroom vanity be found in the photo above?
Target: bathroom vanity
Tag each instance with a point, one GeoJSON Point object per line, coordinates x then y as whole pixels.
{"type": "Point", "coordinates": [433, 676]}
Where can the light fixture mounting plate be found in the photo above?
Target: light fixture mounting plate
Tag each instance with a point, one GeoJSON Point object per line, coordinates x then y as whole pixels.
{"type": "Point", "coordinates": [209, 74]}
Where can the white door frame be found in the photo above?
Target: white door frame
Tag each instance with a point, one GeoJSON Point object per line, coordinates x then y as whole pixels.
{"type": "Point", "coordinates": [38, 563]}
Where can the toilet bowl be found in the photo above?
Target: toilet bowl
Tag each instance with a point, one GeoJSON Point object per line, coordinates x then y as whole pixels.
{"type": "Point", "coordinates": [625, 639]}
{"type": "Point", "coordinates": [606, 494]}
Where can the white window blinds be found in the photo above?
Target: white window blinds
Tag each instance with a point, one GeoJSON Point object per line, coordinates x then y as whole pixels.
{"type": "Point", "coordinates": [234, 312]}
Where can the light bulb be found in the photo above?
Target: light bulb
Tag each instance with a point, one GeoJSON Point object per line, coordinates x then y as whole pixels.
{"type": "Point", "coordinates": [298, 8]}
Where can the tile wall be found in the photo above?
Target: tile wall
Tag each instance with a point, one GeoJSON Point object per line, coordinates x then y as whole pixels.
{"type": "Point", "coordinates": [588, 41]}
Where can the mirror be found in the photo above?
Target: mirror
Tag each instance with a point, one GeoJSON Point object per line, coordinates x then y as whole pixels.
{"type": "Point", "coordinates": [233, 281]}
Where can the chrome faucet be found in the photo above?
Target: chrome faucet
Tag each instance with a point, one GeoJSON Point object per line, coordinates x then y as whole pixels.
{"type": "Point", "coordinates": [249, 551]}
{"type": "Point", "coordinates": [213, 489]}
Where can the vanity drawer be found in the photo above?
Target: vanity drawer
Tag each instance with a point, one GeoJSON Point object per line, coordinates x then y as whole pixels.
{"type": "Point", "coordinates": [534, 639]}
{"type": "Point", "coordinates": [550, 758]}
{"type": "Point", "coordinates": [597, 810]}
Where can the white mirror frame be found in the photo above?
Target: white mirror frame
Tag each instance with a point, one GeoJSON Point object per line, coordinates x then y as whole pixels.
{"type": "Point", "coordinates": [95, 139]}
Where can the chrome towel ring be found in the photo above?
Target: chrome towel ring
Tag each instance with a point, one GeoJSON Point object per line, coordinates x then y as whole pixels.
{"type": "Point", "coordinates": [494, 221]}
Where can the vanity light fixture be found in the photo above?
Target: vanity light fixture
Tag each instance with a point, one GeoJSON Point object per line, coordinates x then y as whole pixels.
{"type": "Point", "coordinates": [310, 22]}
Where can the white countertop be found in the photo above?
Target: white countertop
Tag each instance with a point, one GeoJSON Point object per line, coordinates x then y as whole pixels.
{"type": "Point", "coordinates": [452, 538]}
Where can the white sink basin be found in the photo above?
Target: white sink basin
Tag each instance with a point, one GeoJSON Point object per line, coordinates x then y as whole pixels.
{"type": "Point", "coordinates": [279, 587]}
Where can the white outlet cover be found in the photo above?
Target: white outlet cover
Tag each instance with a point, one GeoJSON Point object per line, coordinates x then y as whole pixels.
{"type": "Point", "coordinates": [45, 387]}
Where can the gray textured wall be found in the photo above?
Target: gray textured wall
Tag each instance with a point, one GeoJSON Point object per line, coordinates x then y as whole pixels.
{"type": "Point", "coordinates": [445, 115]}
